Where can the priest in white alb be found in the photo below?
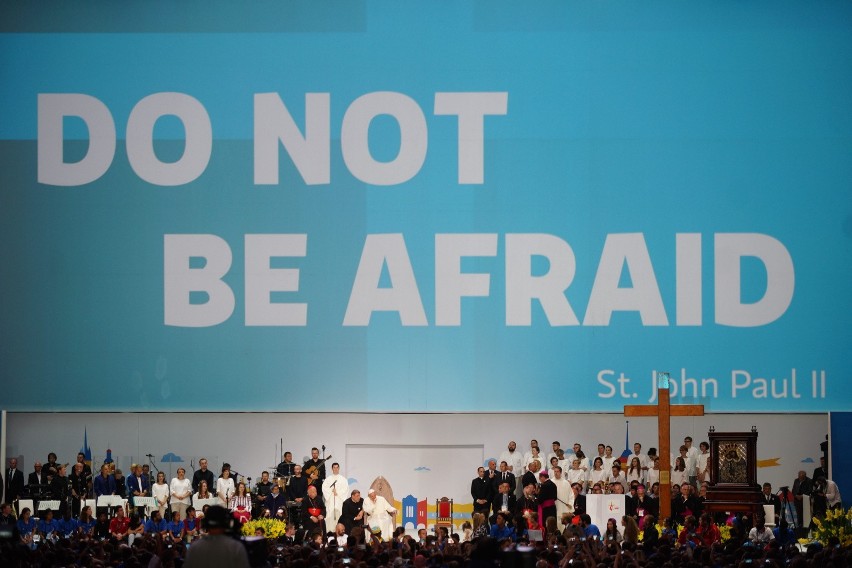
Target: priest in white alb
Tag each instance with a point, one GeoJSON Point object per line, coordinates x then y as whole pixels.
{"type": "Point", "coordinates": [335, 490]}
{"type": "Point", "coordinates": [564, 493]}
{"type": "Point", "coordinates": [380, 514]}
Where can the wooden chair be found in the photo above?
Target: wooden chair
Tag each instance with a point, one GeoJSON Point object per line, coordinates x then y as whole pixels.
{"type": "Point", "coordinates": [444, 514]}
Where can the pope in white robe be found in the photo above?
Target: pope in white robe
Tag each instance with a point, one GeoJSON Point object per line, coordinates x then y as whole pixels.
{"type": "Point", "coordinates": [335, 490]}
{"type": "Point", "coordinates": [380, 514]}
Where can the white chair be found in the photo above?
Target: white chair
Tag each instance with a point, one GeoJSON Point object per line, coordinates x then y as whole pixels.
{"type": "Point", "coordinates": [769, 515]}
{"type": "Point", "coordinates": [26, 504]}
{"type": "Point", "coordinates": [198, 504]}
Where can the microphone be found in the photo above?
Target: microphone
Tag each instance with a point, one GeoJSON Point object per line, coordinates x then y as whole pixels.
{"type": "Point", "coordinates": [323, 447]}
{"type": "Point", "coordinates": [149, 455]}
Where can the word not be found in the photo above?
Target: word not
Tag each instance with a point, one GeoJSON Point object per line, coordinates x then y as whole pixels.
{"type": "Point", "coordinates": [273, 123]}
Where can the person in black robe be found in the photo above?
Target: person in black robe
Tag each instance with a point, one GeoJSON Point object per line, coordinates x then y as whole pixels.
{"type": "Point", "coordinates": [352, 512]}
{"type": "Point", "coordinates": [480, 491]}
{"type": "Point", "coordinates": [527, 503]}
{"type": "Point", "coordinates": [261, 493]}
{"type": "Point", "coordinates": [60, 488]}
{"type": "Point", "coordinates": [579, 500]}
{"type": "Point", "coordinates": [546, 498]}
{"type": "Point", "coordinates": [641, 505]}
{"type": "Point", "coordinates": [297, 489]}
{"type": "Point", "coordinates": [276, 503]}
{"type": "Point", "coordinates": [684, 505]}
{"type": "Point", "coordinates": [313, 512]}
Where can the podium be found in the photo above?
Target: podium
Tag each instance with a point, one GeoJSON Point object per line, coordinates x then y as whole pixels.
{"type": "Point", "coordinates": [604, 507]}
{"type": "Point", "coordinates": [48, 505]}
{"type": "Point", "coordinates": [733, 474]}
{"type": "Point", "coordinates": [110, 502]}
{"type": "Point", "coordinates": [149, 503]}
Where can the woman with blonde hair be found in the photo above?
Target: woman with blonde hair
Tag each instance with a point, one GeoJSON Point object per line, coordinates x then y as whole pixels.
{"type": "Point", "coordinates": [181, 490]}
{"type": "Point", "coordinates": [480, 527]}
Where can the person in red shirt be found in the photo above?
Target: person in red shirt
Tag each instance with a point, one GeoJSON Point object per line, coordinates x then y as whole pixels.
{"type": "Point", "coordinates": [119, 525]}
{"type": "Point", "coordinates": [688, 534]}
{"type": "Point", "coordinates": [707, 531]}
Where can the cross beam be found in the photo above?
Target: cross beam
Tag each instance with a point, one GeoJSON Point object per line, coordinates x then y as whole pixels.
{"type": "Point", "coordinates": [664, 411]}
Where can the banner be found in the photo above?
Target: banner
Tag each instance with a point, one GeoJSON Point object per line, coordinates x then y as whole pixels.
{"type": "Point", "coordinates": [369, 206]}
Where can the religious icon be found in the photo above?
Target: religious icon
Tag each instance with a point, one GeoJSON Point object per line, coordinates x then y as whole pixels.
{"type": "Point", "coordinates": [732, 463]}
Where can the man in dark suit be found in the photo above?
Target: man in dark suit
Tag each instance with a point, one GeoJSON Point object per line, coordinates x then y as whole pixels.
{"type": "Point", "coordinates": [579, 499]}
{"type": "Point", "coordinates": [821, 471]}
{"type": "Point", "coordinates": [480, 492]}
{"type": "Point", "coordinates": [802, 486]}
{"type": "Point", "coordinates": [14, 484]}
{"type": "Point", "coordinates": [505, 501]}
{"type": "Point", "coordinates": [769, 498]}
{"type": "Point", "coordinates": [35, 480]}
{"type": "Point", "coordinates": [684, 505]}
{"type": "Point", "coordinates": [503, 476]}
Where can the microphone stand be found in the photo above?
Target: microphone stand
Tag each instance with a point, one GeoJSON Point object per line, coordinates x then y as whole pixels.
{"type": "Point", "coordinates": [151, 462]}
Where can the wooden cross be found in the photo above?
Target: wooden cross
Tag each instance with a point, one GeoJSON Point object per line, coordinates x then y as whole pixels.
{"type": "Point", "coordinates": [664, 411]}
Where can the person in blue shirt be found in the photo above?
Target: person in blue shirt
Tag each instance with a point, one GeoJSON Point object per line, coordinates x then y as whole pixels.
{"type": "Point", "coordinates": [176, 527]}
{"type": "Point", "coordinates": [589, 529]}
{"type": "Point", "coordinates": [67, 526]}
{"type": "Point", "coordinates": [501, 530]}
{"type": "Point", "coordinates": [104, 484]}
{"type": "Point", "coordinates": [26, 526]}
{"type": "Point", "coordinates": [783, 534]}
{"type": "Point", "coordinates": [191, 524]}
{"type": "Point", "coordinates": [47, 527]}
{"type": "Point", "coordinates": [86, 522]}
{"type": "Point", "coordinates": [156, 524]}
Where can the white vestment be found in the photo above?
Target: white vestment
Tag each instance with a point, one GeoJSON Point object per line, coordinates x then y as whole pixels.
{"type": "Point", "coordinates": [564, 497]}
{"type": "Point", "coordinates": [380, 515]}
{"type": "Point", "coordinates": [335, 490]}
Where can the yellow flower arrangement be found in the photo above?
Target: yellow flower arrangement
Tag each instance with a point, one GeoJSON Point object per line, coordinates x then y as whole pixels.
{"type": "Point", "coordinates": [272, 528]}
{"type": "Point", "coordinates": [837, 523]}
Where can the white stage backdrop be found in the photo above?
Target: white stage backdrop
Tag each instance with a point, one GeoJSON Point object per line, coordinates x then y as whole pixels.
{"type": "Point", "coordinates": [416, 475]}
{"type": "Point", "coordinates": [451, 446]}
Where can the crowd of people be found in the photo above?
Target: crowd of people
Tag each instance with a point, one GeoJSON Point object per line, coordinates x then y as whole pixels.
{"type": "Point", "coordinates": [527, 507]}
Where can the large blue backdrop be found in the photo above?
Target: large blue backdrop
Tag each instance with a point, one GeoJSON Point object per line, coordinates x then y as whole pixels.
{"type": "Point", "coordinates": [425, 206]}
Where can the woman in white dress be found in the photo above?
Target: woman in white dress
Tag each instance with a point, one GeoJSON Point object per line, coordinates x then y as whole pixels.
{"type": "Point", "coordinates": [225, 486]}
{"type": "Point", "coordinates": [634, 472]}
{"type": "Point", "coordinates": [181, 489]}
{"type": "Point", "coordinates": [598, 473]}
{"type": "Point", "coordinates": [577, 475]}
{"type": "Point", "coordinates": [679, 476]}
{"type": "Point", "coordinates": [160, 492]}
{"type": "Point", "coordinates": [652, 476]}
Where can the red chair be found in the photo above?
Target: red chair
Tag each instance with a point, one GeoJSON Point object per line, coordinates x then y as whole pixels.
{"type": "Point", "coordinates": [444, 513]}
